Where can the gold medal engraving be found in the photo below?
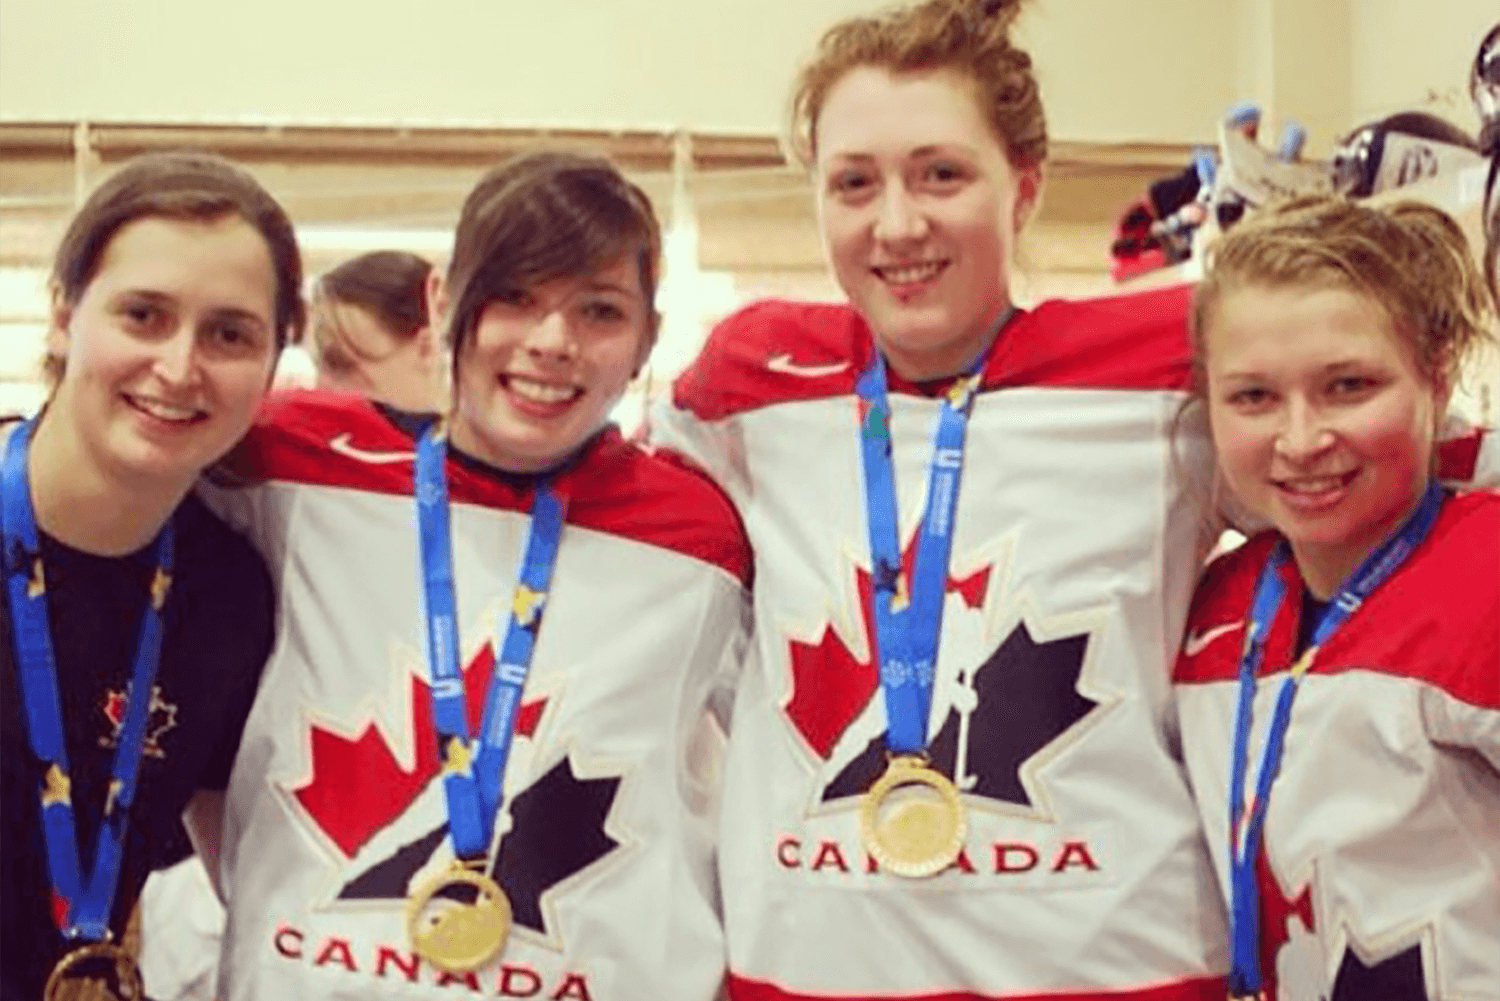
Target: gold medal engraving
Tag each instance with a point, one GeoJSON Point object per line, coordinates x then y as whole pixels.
{"type": "Point", "coordinates": [89, 969]}
{"type": "Point", "coordinates": [912, 819]}
{"type": "Point", "coordinates": [458, 921]}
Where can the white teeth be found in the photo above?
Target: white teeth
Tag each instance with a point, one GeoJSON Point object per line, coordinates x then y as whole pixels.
{"type": "Point", "coordinates": [1317, 486]}
{"type": "Point", "coordinates": [912, 272]}
{"type": "Point", "coordinates": [541, 392]}
{"type": "Point", "coordinates": [163, 411]}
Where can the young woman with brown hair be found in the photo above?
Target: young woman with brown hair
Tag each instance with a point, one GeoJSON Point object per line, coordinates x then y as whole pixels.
{"type": "Point", "coordinates": [951, 770]}
{"type": "Point", "coordinates": [475, 758]}
{"type": "Point", "coordinates": [136, 622]}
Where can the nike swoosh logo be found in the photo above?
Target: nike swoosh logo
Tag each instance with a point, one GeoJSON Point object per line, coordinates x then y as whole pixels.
{"type": "Point", "coordinates": [342, 445]}
{"type": "Point", "coordinates": [783, 363]}
{"type": "Point", "coordinates": [1196, 642]}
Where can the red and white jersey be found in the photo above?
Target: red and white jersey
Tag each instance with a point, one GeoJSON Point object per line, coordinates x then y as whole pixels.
{"type": "Point", "coordinates": [1077, 539]}
{"type": "Point", "coordinates": [1380, 870]}
{"type": "Point", "coordinates": [605, 837]}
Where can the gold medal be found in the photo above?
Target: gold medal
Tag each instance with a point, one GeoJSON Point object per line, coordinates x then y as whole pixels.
{"type": "Point", "coordinates": [912, 831]}
{"type": "Point", "coordinates": [454, 936]}
{"type": "Point", "coordinates": [84, 971]}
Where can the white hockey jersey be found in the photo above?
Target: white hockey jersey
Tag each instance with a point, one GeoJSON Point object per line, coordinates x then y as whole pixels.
{"type": "Point", "coordinates": [1380, 863]}
{"type": "Point", "coordinates": [1078, 533]}
{"type": "Point", "coordinates": [605, 840]}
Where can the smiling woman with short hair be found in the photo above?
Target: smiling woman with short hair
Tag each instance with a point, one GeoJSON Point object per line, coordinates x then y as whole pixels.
{"type": "Point", "coordinates": [483, 756]}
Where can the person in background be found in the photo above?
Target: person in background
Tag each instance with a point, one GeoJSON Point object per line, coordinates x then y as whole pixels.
{"type": "Point", "coordinates": [135, 622]}
{"type": "Point", "coordinates": [458, 774]}
{"type": "Point", "coordinates": [370, 332]}
{"type": "Point", "coordinates": [1338, 688]}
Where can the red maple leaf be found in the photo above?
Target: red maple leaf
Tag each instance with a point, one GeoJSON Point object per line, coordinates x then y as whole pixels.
{"type": "Point", "coordinates": [114, 708]}
{"type": "Point", "coordinates": [1275, 908]}
{"type": "Point", "coordinates": [830, 686]}
{"type": "Point", "coordinates": [357, 786]}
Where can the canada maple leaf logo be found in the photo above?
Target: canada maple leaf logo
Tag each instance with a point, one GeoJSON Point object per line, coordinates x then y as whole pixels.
{"type": "Point", "coordinates": [1289, 955]}
{"type": "Point", "coordinates": [1293, 961]}
{"type": "Point", "coordinates": [830, 686]}
{"type": "Point", "coordinates": [1008, 707]}
{"type": "Point", "coordinates": [350, 811]}
{"type": "Point", "coordinates": [1398, 976]}
{"type": "Point", "coordinates": [162, 717]}
{"type": "Point", "coordinates": [389, 821]}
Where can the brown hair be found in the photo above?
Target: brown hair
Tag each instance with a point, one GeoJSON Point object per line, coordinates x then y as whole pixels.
{"type": "Point", "coordinates": [1409, 257]}
{"type": "Point", "coordinates": [389, 284]}
{"type": "Point", "coordinates": [193, 186]}
{"type": "Point", "coordinates": [971, 37]}
{"type": "Point", "coordinates": [542, 216]}
{"type": "Point", "coordinates": [1490, 206]}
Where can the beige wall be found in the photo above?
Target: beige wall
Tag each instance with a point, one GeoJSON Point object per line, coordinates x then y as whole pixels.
{"type": "Point", "coordinates": [1416, 54]}
{"type": "Point", "coordinates": [1111, 69]}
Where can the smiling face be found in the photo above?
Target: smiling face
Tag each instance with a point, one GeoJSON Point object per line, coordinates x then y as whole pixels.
{"type": "Point", "coordinates": [544, 366]}
{"type": "Point", "coordinates": [919, 208]}
{"type": "Point", "coordinates": [168, 350]}
{"type": "Point", "coordinates": [1323, 423]}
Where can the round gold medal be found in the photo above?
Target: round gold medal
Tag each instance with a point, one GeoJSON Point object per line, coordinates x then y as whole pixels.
{"type": "Point", "coordinates": [86, 970]}
{"type": "Point", "coordinates": [452, 935]}
{"type": "Point", "coordinates": [912, 819]}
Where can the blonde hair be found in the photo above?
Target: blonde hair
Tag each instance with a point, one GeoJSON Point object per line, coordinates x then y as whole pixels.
{"type": "Point", "coordinates": [971, 37]}
{"type": "Point", "coordinates": [1410, 258]}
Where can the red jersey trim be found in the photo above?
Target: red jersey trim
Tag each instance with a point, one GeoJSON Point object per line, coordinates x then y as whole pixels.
{"type": "Point", "coordinates": [326, 439]}
{"type": "Point", "coordinates": [1437, 620]}
{"type": "Point", "coordinates": [777, 352]}
{"type": "Point", "coordinates": [1458, 458]}
{"type": "Point", "coordinates": [1197, 989]}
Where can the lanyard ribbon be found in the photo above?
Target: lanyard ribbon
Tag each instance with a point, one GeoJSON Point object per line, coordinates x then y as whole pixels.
{"type": "Point", "coordinates": [86, 906]}
{"type": "Point", "coordinates": [1245, 825]}
{"type": "Point", "coordinates": [474, 770]}
{"type": "Point", "coordinates": [909, 619]}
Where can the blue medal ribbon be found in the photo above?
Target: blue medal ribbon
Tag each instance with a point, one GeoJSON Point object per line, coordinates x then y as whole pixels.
{"type": "Point", "coordinates": [1245, 823]}
{"type": "Point", "coordinates": [85, 916]}
{"type": "Point", "coordinates": [474, 768]}
{"type": "Point", "coordinates": [908, 615]}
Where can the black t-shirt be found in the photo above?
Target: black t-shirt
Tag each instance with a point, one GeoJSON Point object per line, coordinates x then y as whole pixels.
{"type": "Point", "coordinates": [218, 633]}
{"type": "Point", "coordinates": [1307, 621]}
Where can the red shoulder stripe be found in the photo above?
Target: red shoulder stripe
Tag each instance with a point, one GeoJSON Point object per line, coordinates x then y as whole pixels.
{"type": "Point", "coordinates": [1196, 989]}
{"type": "Point", "coordinates": [334, 440]}
{"type": "Point", "coordinates": [778, 352]}
{"type": "Point", "coordinates": [1437, 620]}
{"type": "Point", "coordinates": [1458, 458]}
